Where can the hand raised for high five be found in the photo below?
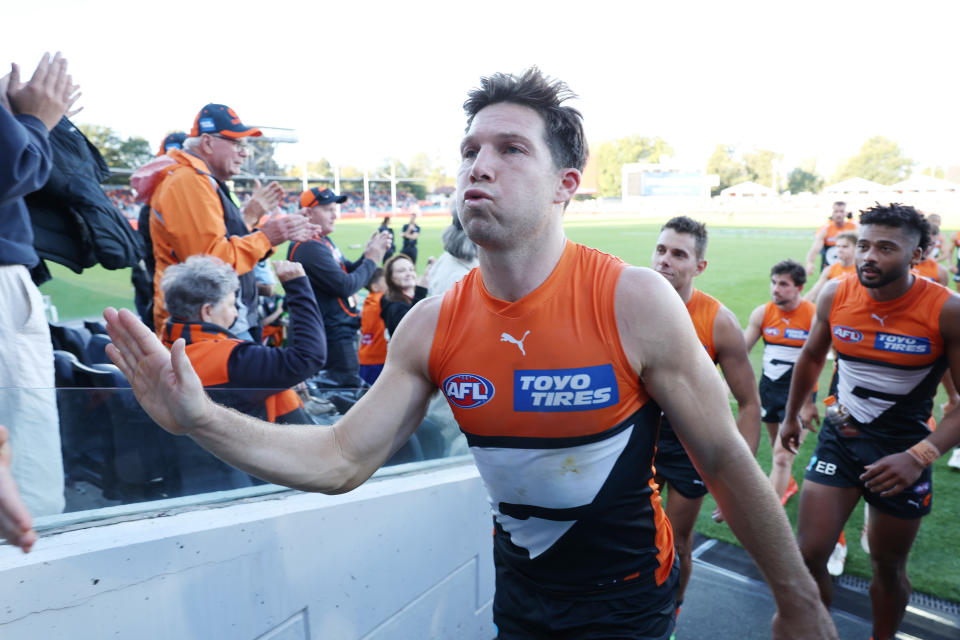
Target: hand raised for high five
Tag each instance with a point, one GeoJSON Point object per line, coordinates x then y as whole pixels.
{"type": "Point", "coordinates": [164, 382]}
{"type": "Point", "coordinates": [49, 93]}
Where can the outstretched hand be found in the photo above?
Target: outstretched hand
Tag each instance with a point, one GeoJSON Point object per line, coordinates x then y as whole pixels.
{"type": "Point", "coordinates": [48, 95]}
{"type": "Point", "coordinates": [15, 522]}
{"type": "Point", "coordinates": [164, 382]}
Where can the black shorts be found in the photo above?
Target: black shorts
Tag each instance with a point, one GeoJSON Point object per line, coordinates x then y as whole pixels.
{"type": "Point", "coordinates": [840, 458]}
{"type": "Point", "coordinates": [521, 612]}
{"type": "Point", "coordinates": [773, 399]}
{"type": "Point", "coordinates": [673, 465]}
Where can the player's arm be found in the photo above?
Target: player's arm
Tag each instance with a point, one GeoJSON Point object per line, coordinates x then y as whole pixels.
{"type": "Point", "coordinates": [807, 369]}
{"type": "Point", "coordinates": [892, 474]}
{"type": "Point", "coordinates": [324, 459]}
{"type": "Point", "coordinates": [816, 248]}
{"type": "Point", "coordinates": [738, 372]}
{"type": "Point", "coordinates": [817, 286]}
{"type": "Point", "coordinates": [943, 277]}
{"type": "Point", "coordinates": [752, 333]}
{"type": "Point", "coordinates": [662, 346]}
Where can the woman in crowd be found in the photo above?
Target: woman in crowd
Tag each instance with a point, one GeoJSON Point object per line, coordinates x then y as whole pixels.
{"type": "Point", "coordinates": [403, 289]}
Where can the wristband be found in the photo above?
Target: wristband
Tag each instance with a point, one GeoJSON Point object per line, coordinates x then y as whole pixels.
{"type": "Point", "coordinates": [924, 452]}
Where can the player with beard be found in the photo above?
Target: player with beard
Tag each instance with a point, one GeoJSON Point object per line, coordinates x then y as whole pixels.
{"type": "Point", "coordinates": [894, 334]}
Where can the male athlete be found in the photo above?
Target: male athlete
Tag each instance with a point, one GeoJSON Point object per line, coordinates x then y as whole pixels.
{"type": "Point", "coordinates": [846, 244]}
{"type": "Point", "coordinates": [825, 239]}
{"type": "Point", "coordinates": [680, 256]}
{"type": "Point", "coordinates": [562, 419]}
{"type": "Point", "coordinates": [784, 324]}
{"type": "Point", "coordinates": [894, 335]}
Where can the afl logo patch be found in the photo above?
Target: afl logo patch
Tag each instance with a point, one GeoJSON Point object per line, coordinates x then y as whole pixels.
{"type": "Point", "coordinates": [846, 334]}
{"type": "Point", "coordinates": [467, 391]}
{"type": "Point", "coordinates": [772, 331]}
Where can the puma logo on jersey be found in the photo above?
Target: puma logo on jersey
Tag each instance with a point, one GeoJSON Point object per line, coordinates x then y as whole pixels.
{"type": "Point", "coordinates": [506, 337]}
{"type": "Point", "coordinates": [901, 344]}
{"type": "Point", "coordinates": [580, 389]}
{"type": "Point", "coordinates": [879, 319]}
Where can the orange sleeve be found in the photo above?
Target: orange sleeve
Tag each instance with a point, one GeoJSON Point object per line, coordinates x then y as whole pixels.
{"type": "Point", "coordinates": [192, 222]}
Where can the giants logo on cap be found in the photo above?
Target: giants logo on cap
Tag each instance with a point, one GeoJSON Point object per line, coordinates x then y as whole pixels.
{"type": "Point", "coordinates": [467, 391]}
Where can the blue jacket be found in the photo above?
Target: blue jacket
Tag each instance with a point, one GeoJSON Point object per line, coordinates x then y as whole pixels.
{"type": "Point", "coordinates": [25, 163]}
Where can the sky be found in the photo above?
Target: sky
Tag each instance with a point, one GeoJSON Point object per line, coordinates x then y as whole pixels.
{"type": "Point", "coordinates": [362, 81]}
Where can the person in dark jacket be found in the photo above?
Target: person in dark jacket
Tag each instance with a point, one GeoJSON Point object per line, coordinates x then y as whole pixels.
{"type": "Point", "coordinates": [141, 274]}
{"type": "Point", "coordinates": [403, 289]}
{"type": "Point", "coordinates": [200, 294]}
{"type": "Point", "coordinates": [28, 404]}
{"type": "Point", "coordinates": [335, 280]}
{"type": "Point", "coordinates": [385, 228]}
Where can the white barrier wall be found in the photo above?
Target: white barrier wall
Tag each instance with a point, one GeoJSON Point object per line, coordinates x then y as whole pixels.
{"type": "Point", "coordinates": [400, 557]}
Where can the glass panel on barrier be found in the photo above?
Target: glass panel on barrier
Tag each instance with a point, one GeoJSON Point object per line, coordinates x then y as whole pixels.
{"type": "Point", "coordinates": [114, 454]}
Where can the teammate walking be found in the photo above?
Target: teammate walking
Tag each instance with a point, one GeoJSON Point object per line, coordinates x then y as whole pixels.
{"type": "Point", "coordinates": [894, 335]}
{"type": "Point", "coordinates": [824, 242]}
{"type": "Point", "coordinates": [680, 256]}
{"type": "Point", "coordinates": [561, 419]}
{"type": "Point", "coordinates": [846, 244]}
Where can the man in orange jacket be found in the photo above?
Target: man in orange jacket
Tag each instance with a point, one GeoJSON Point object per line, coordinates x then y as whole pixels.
{"type": "Point", "coordinates": [192, 212]}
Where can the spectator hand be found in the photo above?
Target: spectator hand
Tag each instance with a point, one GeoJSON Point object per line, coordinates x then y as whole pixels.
{"type": "Point", "coordinates": [263, 201]}
{"type": "Point", "coordinates": [15, 522]}
{"type": "Point", "coordinates": [287, 270]}
{"type": "Point", "coordinates": [164, 382]}
{"type": "Point", "coordinates": [280, 229]}
{"type": "Point", "coordinates": [377, 246]}
{"type": "Point", "coordinates": [48, 95]}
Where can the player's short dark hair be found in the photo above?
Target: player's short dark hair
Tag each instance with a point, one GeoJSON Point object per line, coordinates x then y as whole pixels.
{"type": "Point", "coordinates": [684, 224]}
{"type": "Point", "coordinates": [376, 275]}
{"type": "Point", "coordinates": [840, 202]}
{"type": "Point", "coordinates": [791, 268]}
{"type": "Point", "coordinates": [900, 216]}
{"type": "Point", "coordinates": [849, 236]}
{"type": "Point", "coordinates": [563, 126]}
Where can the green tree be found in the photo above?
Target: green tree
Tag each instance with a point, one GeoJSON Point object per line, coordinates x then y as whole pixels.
{"type": "Point", "coordinates": [800, 180]}
{"type": "Point", "coordinates": [725, 164]}
{"type": "Point", "coordinates": [880, 159]}
{"type": "Point", "coordinates": [759, 166]}
{"type": "Point", "coordinates": [611, 156]}
{"type": "Point", "coordinates": [260, 159]}
{"type": "Point", "coordinates": [134, 152]}
{"type": "Point", "coordinates": [936, 172]}
{"type": "Point", "coordinates": [316, 168]}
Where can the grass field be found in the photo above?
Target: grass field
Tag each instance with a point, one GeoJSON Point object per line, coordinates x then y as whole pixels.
{"type": "Point", "coordinates": [739, 260]}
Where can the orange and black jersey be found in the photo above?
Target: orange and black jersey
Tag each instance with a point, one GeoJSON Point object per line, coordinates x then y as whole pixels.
{"type": "Point", "coordinates": [224, 361]}
{"type": "Point", "coordinates": [335, 280]}
{"type": "Point", "coordinates": [929, 269]}
{"type": "Point", "coordinates": [373, 342]}
{"type": "Point", "coordinates": [837, 270]}
{"type": "Point", "coordinates": [890, 356]}
{"type": "Point", "coordinates": [784, 334]}
{"type": "Point", "coordinates": [828, 253]}
{"type": "Point", "coordinates": [561, 428]}
{"type": "Point", "coordinates": [703, 310]}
